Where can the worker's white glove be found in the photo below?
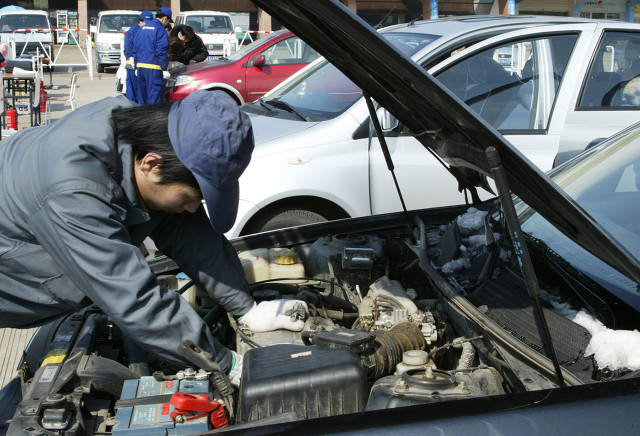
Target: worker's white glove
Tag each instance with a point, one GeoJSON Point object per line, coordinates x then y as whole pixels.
{"type": "Point", "coordinates": [235, 373]}
{"type": "Point", "coordinates": [166, 74]}
{"type": "Point", "coordinates": [276, 314]}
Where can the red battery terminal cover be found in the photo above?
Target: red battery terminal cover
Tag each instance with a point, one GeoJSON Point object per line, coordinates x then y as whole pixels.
{"type": "Point", "coordinates": [188, 407]}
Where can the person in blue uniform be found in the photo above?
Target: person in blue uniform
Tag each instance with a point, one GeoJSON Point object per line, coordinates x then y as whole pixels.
{"type": "Point", "coordinates": [129, 53]}
{"type": "Point", "coordinates": [150, 47]}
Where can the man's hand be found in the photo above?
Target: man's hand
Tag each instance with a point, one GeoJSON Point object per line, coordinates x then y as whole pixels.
{"type": "Point", "coordinates": [276, 314]}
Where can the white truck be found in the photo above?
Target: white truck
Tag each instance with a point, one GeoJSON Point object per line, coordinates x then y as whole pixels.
{"type": "Point", "coordinates": [215, 28]}
{"type": "Point", "coordinates": [108, 36]}
{"type": "Point", "coordinates": [38, 38]}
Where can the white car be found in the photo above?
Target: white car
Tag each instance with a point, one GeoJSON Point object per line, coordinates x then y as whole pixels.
{"type": "Point", "coordinates": [108, 36]}
{"type": "Point", "coordinates": [552, 86]}
{"type": "Point", "coordinates": [215, 28]}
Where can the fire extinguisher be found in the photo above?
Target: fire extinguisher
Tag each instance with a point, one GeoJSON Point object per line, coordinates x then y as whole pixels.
{"type": "Point", "coordinates": [12, 118]}
{"type": "Point", "coordinates": [43, 100]}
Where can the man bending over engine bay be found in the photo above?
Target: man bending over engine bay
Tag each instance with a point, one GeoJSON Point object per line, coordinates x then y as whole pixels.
{"type": "Point", "coordinates": [79, 197]}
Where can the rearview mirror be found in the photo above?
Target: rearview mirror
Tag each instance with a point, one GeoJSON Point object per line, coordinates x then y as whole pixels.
{"type": "Point", "coordinates": [258, 60]}
{"type": "Point", "coordinates": [387, 121]}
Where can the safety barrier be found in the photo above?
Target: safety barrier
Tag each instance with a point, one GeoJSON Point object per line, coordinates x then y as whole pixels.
{"type": "Point", "coordinates": [248, 33]}
{"type": "Point", "coordinates": [55, 60]}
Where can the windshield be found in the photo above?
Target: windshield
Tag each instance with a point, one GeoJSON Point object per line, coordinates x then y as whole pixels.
{"type": "Point", "coordinates": [117, 23]}
{"type": "Point", "coordinates": [11, 22]}
{"type": "Point", "coordinates": [323, 92]}
{"type": "Point", "coordinates": [604, 181]}
{"type": "Point", "coordinates": [209, 23]}
{"type": "Point", "coordinates": [254, 45]}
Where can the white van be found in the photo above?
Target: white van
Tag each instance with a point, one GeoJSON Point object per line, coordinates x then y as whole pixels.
{"type": "Point", "coordinates": [214, 28]}
{"type": "Point", "coordinates": [108, 36]}
{"type": "Point", "coordinates": [27, 43]}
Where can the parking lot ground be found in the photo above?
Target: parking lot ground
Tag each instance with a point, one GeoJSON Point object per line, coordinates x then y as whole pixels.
{"type": "Point", "coordinates": [13, 341]}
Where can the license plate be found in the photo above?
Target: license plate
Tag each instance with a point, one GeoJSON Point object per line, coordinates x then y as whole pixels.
{"type": "Point", "coordinates": [213, 58]}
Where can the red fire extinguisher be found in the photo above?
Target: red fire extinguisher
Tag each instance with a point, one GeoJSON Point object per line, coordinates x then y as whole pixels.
{"type": "Point", "coordinates": [43, 100]}
{"type": "Point", "coordinates": [12, 118]}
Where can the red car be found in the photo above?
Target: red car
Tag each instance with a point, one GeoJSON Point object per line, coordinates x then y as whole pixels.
{"type": "Point", "coordinates": [248, 73]}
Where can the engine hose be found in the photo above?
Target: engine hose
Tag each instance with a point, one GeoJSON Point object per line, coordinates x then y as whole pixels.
{"type": "Point", "coordinates": [389, 348]}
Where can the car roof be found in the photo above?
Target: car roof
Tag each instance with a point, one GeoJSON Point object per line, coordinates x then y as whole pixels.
{"type": "Point", "coordinates": [444, 124]}
{"type": "Point", "coordinates": [444, 26]}
{"type": "Point", "coordinates": [119, 12]}
{"type": "Point", "coordinates": [202, 13]}
{"type": "Point", "coordinates": [24, 12]}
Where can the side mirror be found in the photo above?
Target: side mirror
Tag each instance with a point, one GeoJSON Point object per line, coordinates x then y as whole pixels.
{"type": "Point", "coordinates": [258, 60]}
{"type": "Point", "coordinates": [93, 29]}
{"type": "Point", "coordinates": [387, 121]}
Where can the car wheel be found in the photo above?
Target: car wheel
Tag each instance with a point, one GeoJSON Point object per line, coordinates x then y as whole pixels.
{"type": "Point", "coordinates": [280, 218]}
{"type": "Point", "coordinates": [100, 68]}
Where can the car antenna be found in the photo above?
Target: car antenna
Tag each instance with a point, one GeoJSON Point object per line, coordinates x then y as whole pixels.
{"type": "Point", "coordinates": [520, 249]}
{"type": "Point", "coordinates": [385, 148]}
{"type": "Point", "coordinates": [377, 26]}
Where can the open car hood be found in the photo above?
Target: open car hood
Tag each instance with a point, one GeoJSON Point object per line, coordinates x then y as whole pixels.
{"type": "Point", "coordinates": [447, 125]}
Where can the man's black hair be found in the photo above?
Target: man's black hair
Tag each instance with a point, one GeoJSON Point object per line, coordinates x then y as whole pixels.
{"type": "Point", "coordinates": [145, 127]}
{"type": "Point", "coordinates": [188, 32]}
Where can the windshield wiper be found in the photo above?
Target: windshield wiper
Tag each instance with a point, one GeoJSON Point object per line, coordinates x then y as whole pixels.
{"type": "Point", "coordinates": [286, 106]}
{"type": "Point", "coordinates": [264, 104]}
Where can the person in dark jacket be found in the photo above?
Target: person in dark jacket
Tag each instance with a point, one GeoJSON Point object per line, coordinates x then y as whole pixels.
{"type": "Point", "coordinates": [129, 53]}
{"type": "Point", "coordinates": [194, 49]}
{"type": "Point", "coordinates": [150, 46]}
{"type": "Point", "coordinates": [70, 235]}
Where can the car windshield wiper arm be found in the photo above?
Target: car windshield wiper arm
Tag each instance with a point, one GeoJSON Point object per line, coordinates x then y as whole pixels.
{"type": "Point", "coordinates": [286, 106]}
{"type": "Point", "coordinates": [264, 104]}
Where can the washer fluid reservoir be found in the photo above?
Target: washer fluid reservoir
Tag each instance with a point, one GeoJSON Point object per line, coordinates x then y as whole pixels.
{"type": "Point", "coordinates": [275, 263]}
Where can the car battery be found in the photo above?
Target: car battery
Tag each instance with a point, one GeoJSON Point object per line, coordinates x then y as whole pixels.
{"type": "Point", "coordinates": [309, 381]}
{"type": "Point", "coordinates": [148, 410]}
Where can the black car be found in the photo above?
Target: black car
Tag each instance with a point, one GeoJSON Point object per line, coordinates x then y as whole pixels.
{"type": "Point", "coordinates": [516, 315]}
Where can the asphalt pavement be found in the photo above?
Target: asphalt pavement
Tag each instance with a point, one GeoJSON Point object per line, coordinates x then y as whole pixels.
{"type": "Point", "coordinates": [57, 84]}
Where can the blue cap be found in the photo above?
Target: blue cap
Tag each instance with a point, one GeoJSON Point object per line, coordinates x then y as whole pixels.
{"type": "Point", "coordinates": [213, 138]}
{"type": "Point", "coordinates": [166, 11]}
{"type": "Point", "coordinates": [146, 15]}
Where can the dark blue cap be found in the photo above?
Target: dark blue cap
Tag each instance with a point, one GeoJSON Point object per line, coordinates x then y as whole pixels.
{"type": "Point", "coordinates": [146, 15]}
{"type": "Point", "coordinates": [166, 11]}
{"type": "Point", "coordinates": [213, 138]}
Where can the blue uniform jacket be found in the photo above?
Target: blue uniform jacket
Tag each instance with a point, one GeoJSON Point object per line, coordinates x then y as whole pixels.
{"type": "Point", "coordinates": [129, 38]}
{"type": "Point", "coordinates": [70, 228]}
{"type": "Point", "coordinates": [151, 44]}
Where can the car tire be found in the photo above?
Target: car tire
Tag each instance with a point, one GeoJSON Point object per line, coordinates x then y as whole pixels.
{"type": "Point", "coordinates": [285, 217]}
{"type": "Point", "coordinates": [100, 68]}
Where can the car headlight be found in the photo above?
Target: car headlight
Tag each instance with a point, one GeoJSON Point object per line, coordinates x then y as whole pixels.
{"type": "Point", "coordinates": [182, 80]}
{"type": "Point", "coordinates": [104, 46]}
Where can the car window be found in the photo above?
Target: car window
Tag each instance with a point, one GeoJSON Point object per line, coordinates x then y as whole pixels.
{"type": "Point", "coordinates": [512, 86]}
{"type": "Point", "coordinates": [210, 23]}
{"type": "Point", "coordinates": [117, 23]}
{"type": "Point", "coordinates": [324, 92]}
{"type": "Point", "coordinates": [289, 51]}
{"type": "Point", "coordinates": [613, 81]}
{"type": "Point", "coordinates": [245, 49]}
{"type": "Point", "coordinates": [11, 22]}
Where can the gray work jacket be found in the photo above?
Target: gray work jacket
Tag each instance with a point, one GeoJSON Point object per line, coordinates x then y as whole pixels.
{"type": "Point", "coordinates": [70, 228]}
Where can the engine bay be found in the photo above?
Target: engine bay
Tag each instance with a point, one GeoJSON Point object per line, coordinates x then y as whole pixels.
{"type": "Point", "coordinates": [425, 313]}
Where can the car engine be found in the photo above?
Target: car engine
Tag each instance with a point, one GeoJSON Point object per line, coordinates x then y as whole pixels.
{"type": "Point", "coordinates": [402, 315]}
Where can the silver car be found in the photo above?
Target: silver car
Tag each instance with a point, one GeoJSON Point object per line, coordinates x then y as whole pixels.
{"type": "Point", "coordinates": [551, 86]}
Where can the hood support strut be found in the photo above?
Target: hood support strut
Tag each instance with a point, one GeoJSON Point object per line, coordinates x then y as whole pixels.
{"type": "Point", "coordinates": [521, 250]}
{"type": "Point", "coordinates": [384, 147]}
